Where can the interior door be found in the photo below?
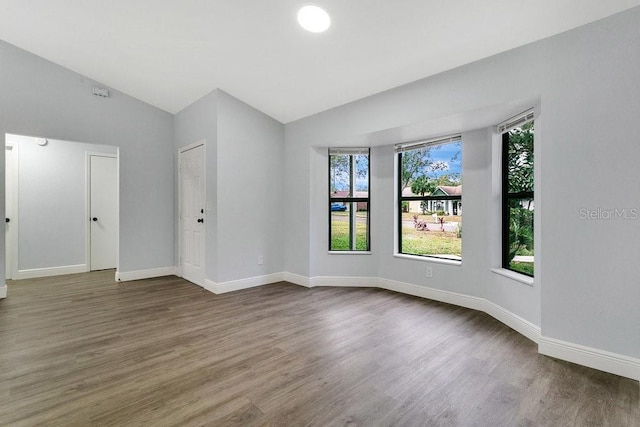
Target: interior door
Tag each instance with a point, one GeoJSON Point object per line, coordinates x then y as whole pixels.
{"type": "Point", "coordinates": [103, 202]}
{"type": "Point", "coordinates": [192, 214]}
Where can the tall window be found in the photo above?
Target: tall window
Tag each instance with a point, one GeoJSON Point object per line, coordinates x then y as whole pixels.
{"type": "Point", "coordinates": [517, 194]}
{"type": "Point", "coordinates": [430, 198]}
{"type": "Point", "coordinates": [349, 199]}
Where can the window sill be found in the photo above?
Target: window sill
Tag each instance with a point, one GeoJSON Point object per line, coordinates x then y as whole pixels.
{"type": "Point", "coordinates": [514, 276]}
{"type": "Point", "coordinates": [349, 252]}
{"type": "Point", "coordinates": [429, 259]}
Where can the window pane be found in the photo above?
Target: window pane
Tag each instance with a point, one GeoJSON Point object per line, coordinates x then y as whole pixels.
{"type": "Point", "coordinates": [362, 222]}
{"type": "Point", "coordinates": [349, 226]}
{"type": "Point", "coordinates": [432, 228]}
{"type": "Point", "coordinates": [424, 169]}
{"type": "Point", "coordinates": [520, 159]}
{"type": "Point", "coordinates": [361, 175]}
{"type": "Point", "coordinates": [520, 254]}
{"type": "Point", "coordinates": [339, 172]}
{"type": "Point", "coordinates": [340, 220]}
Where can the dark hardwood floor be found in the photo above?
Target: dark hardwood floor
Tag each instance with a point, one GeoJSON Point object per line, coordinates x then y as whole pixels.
{"type": "Point", "coordinates": [84, 350]}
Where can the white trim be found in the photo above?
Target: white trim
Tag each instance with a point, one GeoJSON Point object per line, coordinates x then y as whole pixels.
{"type": "Point", "coordinates": [127, 276]}
{"type": "Point", "coordinates": [349, 252]}
{"type": "Point", "coordinates": [432, 259]}
{"type": "Point", "coordinates": [208, 285]}
{"type": "Point", "coordinates": [515, 322]}
{"type": "Point", "coordinates": [344, 282]}
{"type": "Point", "coordinates": [522, 278]}
{"type": "Point", "coordinates": [3, 291]}
{"type": "Point", "coordinates": [50, 271]}
{"type": "Point", "coordinates": [13, 235]}
{"type": "Point", "coordinates": [454, 298]}
{"type": "Point", "coordinates": [602, 360]}
{"type": "Point", "coordinates": [296, 279]}
{"type": "Point", "coordinates": [512, 320]}
{"type": "Point", "coordinates": [236, 285]}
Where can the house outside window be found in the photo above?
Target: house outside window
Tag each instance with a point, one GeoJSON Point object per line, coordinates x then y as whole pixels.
{"type": "Point", "coordinates": [349, 203]}
{"type": "Point", "coordinates": [430, 198]}
{"type": "Point", "coordinates": [518, 194]}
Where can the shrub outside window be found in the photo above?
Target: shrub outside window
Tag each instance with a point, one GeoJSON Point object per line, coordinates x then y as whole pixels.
{"type": "Point", "coordinates": [349, 202]}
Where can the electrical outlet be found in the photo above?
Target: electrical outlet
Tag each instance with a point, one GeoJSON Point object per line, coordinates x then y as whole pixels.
{"type": "Point", "coordinates": [260, 260]}
{"type": "Point", "coordinates": [429, 272]}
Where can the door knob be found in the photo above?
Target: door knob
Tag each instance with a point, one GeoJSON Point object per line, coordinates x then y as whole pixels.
{"type": "Point", "coordinates": [200, 220]}
{"type": "Point", "coordinates": [94, 219]}
{"type": "Point", "coordinates": [7, 220]}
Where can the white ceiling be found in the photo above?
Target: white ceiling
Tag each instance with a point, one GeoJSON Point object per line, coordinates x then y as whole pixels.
{"type": "Point", "coordinates": [169, 53]}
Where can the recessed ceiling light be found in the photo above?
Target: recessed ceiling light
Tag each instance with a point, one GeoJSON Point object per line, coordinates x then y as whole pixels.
{"type": "Point", "coordinates": [314, 19]}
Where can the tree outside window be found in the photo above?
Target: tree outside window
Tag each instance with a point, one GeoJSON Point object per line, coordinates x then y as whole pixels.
{"type": "Point", "coordinates": [518, 199]}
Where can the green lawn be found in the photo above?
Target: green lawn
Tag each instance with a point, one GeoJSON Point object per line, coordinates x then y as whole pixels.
{"type": "Point", "coordinates": [413, 241]}
{"type": "Point", "coordinates": [340, 236]}
{"type": "Point", "coordinates": [430, 242]}
{"type": "Point", "coordinates": [408, 216]}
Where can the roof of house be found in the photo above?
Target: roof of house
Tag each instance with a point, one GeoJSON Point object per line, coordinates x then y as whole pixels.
{"type": "Point", "coordinates": [447, 190]}
{"type": "Point", "coordinates": [345, 193]}
{"type": "Point", "coordinates": [450, 190]}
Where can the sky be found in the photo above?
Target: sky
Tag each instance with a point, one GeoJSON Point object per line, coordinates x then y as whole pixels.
{"type": "Point", "coordinates": [449, 153]}
{"type": "Point", "coordinates": [445, 153]}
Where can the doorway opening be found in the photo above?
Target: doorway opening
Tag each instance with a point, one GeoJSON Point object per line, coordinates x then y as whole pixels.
{"type": "Point", "coordinates": [50, 206]}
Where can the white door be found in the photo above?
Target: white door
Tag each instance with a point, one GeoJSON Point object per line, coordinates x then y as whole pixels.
{"type": "Point", "coordinates": [192, 210]}
{"type": "Point", "coordinates": [103, 211]}
{"type": "Point", "coordinates": [11, 221]}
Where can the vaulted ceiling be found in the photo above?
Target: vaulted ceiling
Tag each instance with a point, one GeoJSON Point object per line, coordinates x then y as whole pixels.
{"type": "Point", "coordinates": [170, 53]}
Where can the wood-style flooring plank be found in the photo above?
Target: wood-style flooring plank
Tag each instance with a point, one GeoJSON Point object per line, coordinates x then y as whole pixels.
{"type": "Point", "coordinates": [85, 350]}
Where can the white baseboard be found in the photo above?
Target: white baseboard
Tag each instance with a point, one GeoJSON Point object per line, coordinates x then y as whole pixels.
{"type": "Point", "coordinates": [297, 279]}
{"type": "Point", "coordinates": [126, 276]}
{"type": "Point", "coordinates": [433, 294]}
{"type": "Point", "coordinates": [236, 285]}
{"type": "Point", "coordinates": [513, 321]}
{"type": "Point", "coordinates": [50, 271]}
{"type": "Point", "coordinates": [3, 291]}
{"type": "Point", "coordinates": [618, 364]}
{"type": "Point", "coordinates": [209, 285]}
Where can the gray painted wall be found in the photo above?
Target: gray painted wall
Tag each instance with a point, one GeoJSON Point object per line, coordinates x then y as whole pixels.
{"type": "Point", "coordinates": [42, 99]}
{"type": "Point", "coordinates": [250, 191]}
{"type": "Point", "coordinates": [585, 86]}
{"type": "Point", "coordinates": [245, 175]}
{"type": "Point", "coordinates": [196, 123]}
{"type": "Point", "coordinates": [52, 199]}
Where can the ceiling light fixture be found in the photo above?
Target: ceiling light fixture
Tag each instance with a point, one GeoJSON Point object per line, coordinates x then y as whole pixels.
{"type": "Point", "coordinates": [314, 19]}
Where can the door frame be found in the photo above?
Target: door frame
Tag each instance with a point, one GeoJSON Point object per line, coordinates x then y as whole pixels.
{"type": "Point", "coordinates": [182, 150]}
{"type": "Point", "coordinates": [87, 208]}
{"type": "Point", "coordinates": [12, 248]}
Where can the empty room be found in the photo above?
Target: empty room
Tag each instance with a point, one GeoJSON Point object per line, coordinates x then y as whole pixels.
{"type": "Point", "coordinates": [251, 213]}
